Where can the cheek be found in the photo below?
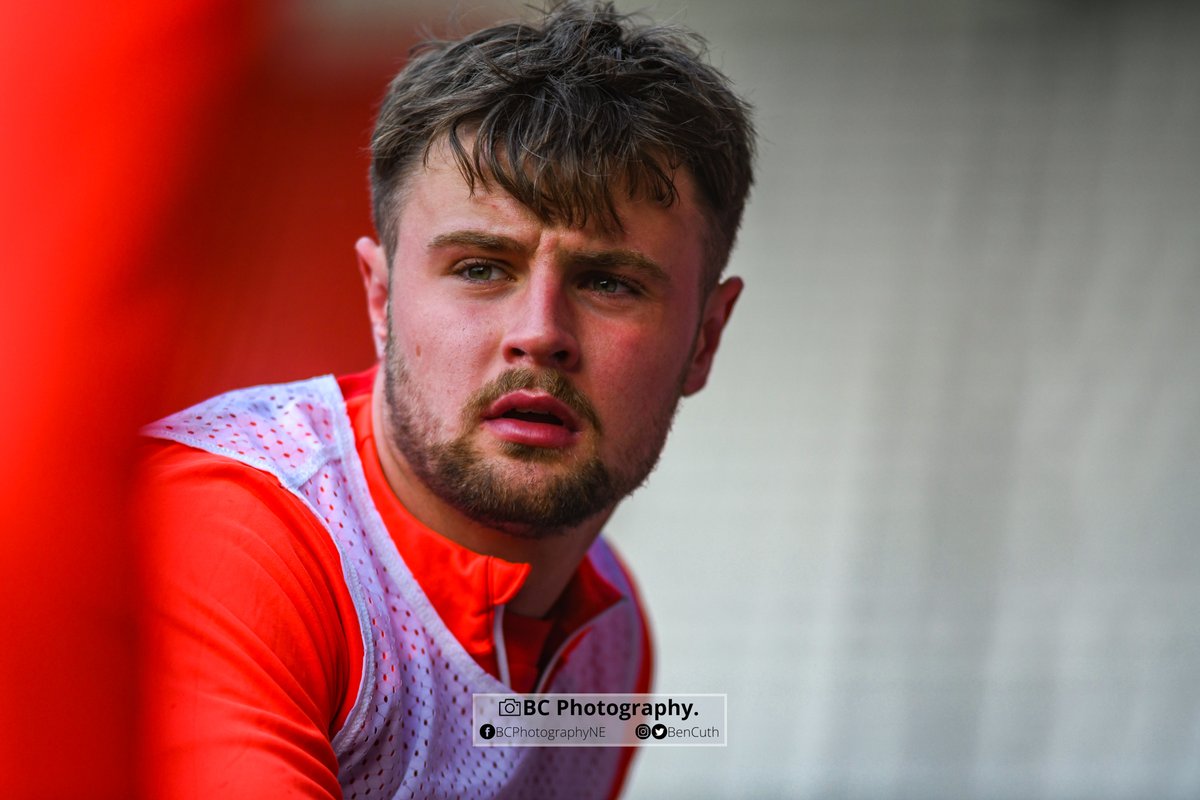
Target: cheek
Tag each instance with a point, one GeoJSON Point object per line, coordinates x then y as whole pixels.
{"type": "Point", "coordinates": [443, 357]}
{"type": "Point", "coordinates": [427, 327]}
{"type": "Point", "coordinates": [636, 372]}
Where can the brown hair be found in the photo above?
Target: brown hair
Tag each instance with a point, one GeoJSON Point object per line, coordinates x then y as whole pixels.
{"type": "Point", "coordinates": [561, 112]}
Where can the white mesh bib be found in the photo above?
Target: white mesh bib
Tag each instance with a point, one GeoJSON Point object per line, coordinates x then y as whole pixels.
{"type": "Point", "coordinates": [409, 733]}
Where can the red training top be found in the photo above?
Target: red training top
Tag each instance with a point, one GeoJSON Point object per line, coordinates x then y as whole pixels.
{"type": "Point", "coordinates": [253, 650]}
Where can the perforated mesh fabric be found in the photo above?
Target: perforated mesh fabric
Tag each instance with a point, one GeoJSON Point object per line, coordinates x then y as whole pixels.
{"type": "Point", "coordinates": [409, 733]}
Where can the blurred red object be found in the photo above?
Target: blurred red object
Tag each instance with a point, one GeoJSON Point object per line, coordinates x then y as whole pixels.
{"type": "Point", "coordinates": [105, 106]}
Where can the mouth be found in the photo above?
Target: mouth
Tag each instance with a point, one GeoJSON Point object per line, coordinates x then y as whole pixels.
{"type": "Point", "coordinates": [532, 418]}
{"type": "Point", "coordinates": [536, 408]}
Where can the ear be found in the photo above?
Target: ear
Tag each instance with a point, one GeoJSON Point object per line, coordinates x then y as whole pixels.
{"type": "Point", "coordinates": [716, 313]}
{"type": "Point", "coordinates": [373, 266]}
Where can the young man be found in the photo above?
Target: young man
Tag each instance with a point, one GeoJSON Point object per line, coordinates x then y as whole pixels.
{"type": "Point", "coordinates": [336, 567]}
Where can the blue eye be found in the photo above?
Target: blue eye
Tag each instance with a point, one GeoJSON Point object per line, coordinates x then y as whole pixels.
{"type": "Point", "coordinates": [481, 272]}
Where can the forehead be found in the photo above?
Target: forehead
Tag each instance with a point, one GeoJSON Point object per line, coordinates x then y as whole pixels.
{"type": "Point", "coordinates": [437, 198]}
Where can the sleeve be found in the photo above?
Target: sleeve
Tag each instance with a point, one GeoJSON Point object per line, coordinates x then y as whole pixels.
{"type": "Point", "coordinates": [248, 635]}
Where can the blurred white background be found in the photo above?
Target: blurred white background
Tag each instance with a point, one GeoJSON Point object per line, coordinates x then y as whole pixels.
{"type": "Point", "coordinates": [935, 524]}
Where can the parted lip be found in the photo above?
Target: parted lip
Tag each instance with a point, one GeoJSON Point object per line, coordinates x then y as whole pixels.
{"type": "Point", "coordinates": [534, 403]}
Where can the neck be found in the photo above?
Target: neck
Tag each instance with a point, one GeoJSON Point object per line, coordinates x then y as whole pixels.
{"type": "Point", "coordinates": [553, 556]}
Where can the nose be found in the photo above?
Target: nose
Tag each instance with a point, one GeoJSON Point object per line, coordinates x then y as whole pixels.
{"type": "Point", "coordinates": [541, 329]}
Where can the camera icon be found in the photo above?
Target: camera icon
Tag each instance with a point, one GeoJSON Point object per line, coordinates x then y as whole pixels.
{"type": "Point", "coordinates": [510, 707]}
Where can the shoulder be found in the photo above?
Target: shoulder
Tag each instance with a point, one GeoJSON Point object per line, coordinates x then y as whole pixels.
{"type": "Point", "coordinates": [197, 504]}
{"type": "Point", "coordinates": [234, 563]}
{"type": "Point", "coordinates": [215, 525]}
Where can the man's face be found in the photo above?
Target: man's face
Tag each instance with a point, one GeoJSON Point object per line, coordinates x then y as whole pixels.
{"type": "Point", "coordinates": [532, 370]}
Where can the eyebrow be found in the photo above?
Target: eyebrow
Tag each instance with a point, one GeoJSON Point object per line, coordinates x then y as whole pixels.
{"type": "Point", "coordinates": [616, 258]}
{"type": "Point", "coordinates": [484, 241]}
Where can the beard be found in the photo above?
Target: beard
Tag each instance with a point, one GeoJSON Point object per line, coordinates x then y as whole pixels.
{"type": "Point", "coordinates": [513, 492]}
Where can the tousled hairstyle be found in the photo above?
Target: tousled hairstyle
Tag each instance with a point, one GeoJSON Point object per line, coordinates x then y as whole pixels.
{"type": "Point", "coordinates": [562, 113]}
